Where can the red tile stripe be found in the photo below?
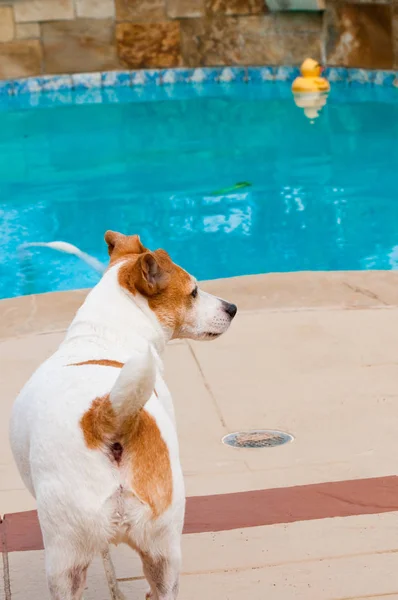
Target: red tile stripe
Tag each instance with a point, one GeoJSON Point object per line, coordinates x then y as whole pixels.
{"type": "Point", "coordinates": [21, 531]}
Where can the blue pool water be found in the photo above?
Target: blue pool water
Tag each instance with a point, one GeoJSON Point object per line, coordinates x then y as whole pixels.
{"type": "Point", "coordinates": [323, 196]}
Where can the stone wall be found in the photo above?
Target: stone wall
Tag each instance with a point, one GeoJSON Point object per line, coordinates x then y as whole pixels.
{"type": "Point", "coordinates": [70, 36]}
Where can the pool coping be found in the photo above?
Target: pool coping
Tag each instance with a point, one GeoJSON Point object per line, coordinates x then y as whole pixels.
{"type": "Point", "coordinates": [202, 75]}
{"type": "Point", "coordinates": [309, 290]}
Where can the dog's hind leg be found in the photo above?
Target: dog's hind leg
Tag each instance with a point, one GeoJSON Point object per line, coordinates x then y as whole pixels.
{"type": "Point", "coordinates": [66, 573]}
{"type": "Point", "coordinates": [162, 573]}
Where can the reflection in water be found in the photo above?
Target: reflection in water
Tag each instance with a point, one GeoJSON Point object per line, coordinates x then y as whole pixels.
{"type": "Point", "coordinates": [311, 104]}
{"type": "Point", "coordinates": [322, 196]}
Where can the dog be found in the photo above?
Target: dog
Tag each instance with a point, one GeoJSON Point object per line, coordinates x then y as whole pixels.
{"type": "Point", "coordinates": [93, 431]}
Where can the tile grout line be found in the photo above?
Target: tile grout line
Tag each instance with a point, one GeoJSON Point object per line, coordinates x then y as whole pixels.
{"type": "Point", "coordinates": [208, 388]}
{"type": "Point", "coordinates": [365, 292]}
{"type": "Point", "coordinates": [372, 597]}
{"type": "Point", "coordinates": [267, 565]}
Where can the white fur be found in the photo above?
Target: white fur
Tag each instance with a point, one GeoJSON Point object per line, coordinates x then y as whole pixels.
{"type": "Point", "coordinates": [85, 502]}
{"type": "Point", "coordinates": [135, 384]}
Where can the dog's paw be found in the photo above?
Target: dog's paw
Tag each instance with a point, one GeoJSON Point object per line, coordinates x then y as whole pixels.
{"type": "Point", "coordinates": [148, 595]}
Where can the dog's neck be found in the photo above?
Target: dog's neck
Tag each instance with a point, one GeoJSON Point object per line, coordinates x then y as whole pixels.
{"type": "Point", "coordinates": [111, 318]}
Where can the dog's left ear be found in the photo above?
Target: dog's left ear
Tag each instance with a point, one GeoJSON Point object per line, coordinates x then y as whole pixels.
{"type": "Point", "coordinates": [119, 244]}
{"type": "Point", "coordinates": [150, 277]}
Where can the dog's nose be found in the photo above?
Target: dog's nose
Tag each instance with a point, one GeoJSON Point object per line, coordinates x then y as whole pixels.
{"type": "Point", "coordinates": [230, 309]}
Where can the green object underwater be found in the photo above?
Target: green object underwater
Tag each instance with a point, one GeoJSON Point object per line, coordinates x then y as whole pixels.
{"type": "Point", "coordinates": [227, 190]}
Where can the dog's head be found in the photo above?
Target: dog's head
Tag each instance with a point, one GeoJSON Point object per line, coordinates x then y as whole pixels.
{"type": "Point", "coordinates": [182, 309]}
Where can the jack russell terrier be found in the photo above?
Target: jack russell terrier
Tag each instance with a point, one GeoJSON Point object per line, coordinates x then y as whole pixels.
{"type": "Point", "coordinates": [93, 431]}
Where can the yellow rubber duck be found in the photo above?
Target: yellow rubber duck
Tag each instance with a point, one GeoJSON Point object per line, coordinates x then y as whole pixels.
{"type": "Point", "coordinates": [311, 80]}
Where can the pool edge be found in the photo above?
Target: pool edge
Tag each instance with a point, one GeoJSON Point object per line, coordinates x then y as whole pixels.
{"type": "Point", "coordinates": [203, 75]}
{"type": "Point", "coordinates": [309, 290]}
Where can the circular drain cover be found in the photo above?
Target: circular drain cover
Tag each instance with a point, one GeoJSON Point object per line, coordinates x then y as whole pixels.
{"type": "Point", "coordinates": [259, 438]}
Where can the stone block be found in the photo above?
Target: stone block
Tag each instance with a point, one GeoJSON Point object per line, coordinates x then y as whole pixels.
{"type": "Point", "coordinates": [296, 5]}
{"type": "Point", "coordinates": [208, 42]}
{"type": "Point", "coordinates": [185, 9]}
{"type": "Point", "coordinates": [395, 33]}
{"type": "Point", "coordinates": [7, 28]}
{"type": "Point", "coordinates": [20, 59]}
{"type": "Point", "coordinates": [79, 46]}
{"type": "Point", "coordinates": [369, 1]}
{"type": "Point", "coordinates": [359, 35]}
{"type": "Point", "coordinates": [296, 22]}
{"type": "Point", "coordinates": [27, 31]}
{"type": "Point", "coordinates": [235, 7]}
{"type": "Point", "coordinates": [43, 10]}
{"type": "Point", "coordinates": [141, 10]}
{"type": "Point", "coordinates": [250, 40]}
{"type": "Point", "coordinates": [95, 9]}
{"type": "Point", "coordinates": [145, 45]}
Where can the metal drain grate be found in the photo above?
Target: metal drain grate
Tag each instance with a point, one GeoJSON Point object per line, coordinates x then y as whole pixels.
{"type": "Point", "coordinates": [260, 438]}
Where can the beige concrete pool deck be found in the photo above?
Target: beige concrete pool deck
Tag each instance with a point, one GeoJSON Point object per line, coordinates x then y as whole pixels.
{"type": "Point", "coordinates": [312, 354]}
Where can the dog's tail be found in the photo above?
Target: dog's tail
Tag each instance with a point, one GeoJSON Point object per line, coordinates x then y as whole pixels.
{"type": "Point", "coordinates": [68, 249]}
{"type": "Point", "coordinates": [135, 384]}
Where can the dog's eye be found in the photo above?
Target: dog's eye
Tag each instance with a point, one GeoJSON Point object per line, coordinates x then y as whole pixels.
{"type": "Point", "coordinates": [194, 292]}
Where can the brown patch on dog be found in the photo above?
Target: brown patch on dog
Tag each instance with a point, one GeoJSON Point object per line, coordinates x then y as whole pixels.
{"type": "Point", "coordinates": [166, 285]}
{"type": "Point", "coordinates": [152, 477]}
{"type": "Point", "coordinates": [99, 423]}
{"type": "Point", "coordinates": [77, 576]}
{"type": "Point", "coordinates": [152, 274]}
{"type": "Point", "coordinates": [75, 582]}
{"type": "Point", "coordinates": [136, 440]}
{"type": "Point", "coordinates": [103, 362]}
{"type": "Point", "coordinates": [155, 570]}
{"type": "Point", "coordinates": [120, 245]}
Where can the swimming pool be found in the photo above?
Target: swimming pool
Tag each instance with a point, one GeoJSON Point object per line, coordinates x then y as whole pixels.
{"type": "Point", "coordinates": [152, 161]}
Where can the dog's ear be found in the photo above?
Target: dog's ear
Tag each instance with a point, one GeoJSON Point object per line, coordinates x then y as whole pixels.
{"type": "Point", "coordinates": [150, 277]}
{"type": "Point", "coordinates": [111, 238]}
{"type": "Point", "coordinates": [119, 244]}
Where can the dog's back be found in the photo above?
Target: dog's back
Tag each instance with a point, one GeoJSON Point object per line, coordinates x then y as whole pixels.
{"type": "Point", "coordinates": [97, 450]}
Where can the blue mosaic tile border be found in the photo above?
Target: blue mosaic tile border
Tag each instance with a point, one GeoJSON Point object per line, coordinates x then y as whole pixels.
{"type": "Point", "coordinates": [223, 75]}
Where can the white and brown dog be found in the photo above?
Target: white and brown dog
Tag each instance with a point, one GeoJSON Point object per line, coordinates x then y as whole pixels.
{"type": "Point", "coordinates": [93, 431]}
